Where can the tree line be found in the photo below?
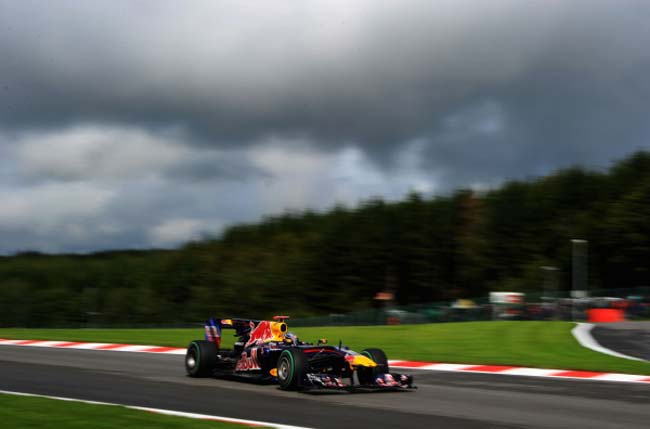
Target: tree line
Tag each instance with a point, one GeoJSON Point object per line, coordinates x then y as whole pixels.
{"type": "Point", "coordinates": [423, 249]}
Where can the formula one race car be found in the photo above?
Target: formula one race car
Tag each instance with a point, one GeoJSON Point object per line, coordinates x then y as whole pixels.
{"type": "Point", "coordinates": [266, 351]}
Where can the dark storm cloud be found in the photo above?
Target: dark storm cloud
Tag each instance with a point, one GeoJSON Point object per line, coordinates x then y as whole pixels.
{"type": "Point", "coordinates": [215, 167]}
{"type": "Point", "coordinates": [183, 117]}
{"type": "Point", "coordinates": [371, 75]}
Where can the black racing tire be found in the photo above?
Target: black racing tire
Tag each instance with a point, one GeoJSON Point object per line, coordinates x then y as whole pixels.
{"type": "Point", "coordinates": [201, 358]}
{"type": "Point", "coordinates": [368, 375]}
{"type": "Point", "coordinates": [292, 367]}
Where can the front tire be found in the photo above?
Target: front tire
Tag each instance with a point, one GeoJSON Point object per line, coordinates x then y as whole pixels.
{"type": "Point", "coordinates": [292, 367]}
{"type": "Point", "coordinates": [201, 358]}
{"type": "Point", "coordinates": [368, 375]}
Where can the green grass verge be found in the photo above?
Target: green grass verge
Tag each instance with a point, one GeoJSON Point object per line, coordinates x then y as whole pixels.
{"type": "Point", "coordinates": [534, 344]}
{"type": "Point", "coordinates": [34, 412]}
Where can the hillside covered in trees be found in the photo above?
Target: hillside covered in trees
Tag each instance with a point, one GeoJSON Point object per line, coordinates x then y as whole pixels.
{"type": "Point", "coordinates": [425, 249]}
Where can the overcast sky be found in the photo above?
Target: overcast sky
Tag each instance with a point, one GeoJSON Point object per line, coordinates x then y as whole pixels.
{"type": "Point", "coordinates": [136, 124]}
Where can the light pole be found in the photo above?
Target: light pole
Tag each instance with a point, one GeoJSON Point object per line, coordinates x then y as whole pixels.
{"type": "Point", "coordinates": [549, 285]}
{"type": "Point", "coordinates": [579, 268]}
{"type": "Point", "coordinates": [579, 271]}
{"type": "Point", "coordinates": [549, 288]}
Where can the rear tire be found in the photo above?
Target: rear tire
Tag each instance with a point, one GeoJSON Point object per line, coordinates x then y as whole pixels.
{"type": "Point", "coordinates": [201, 358]}
{"type": "Point", "coordinates": [292, 367]}
{"type": "Point", "coordinates": [368, 375]}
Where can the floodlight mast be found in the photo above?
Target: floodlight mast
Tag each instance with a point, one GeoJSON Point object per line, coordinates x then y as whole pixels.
{"type": "Point", "coordinates": [579, 280]}
{"type": "Point", "coordinates": [579, 270]}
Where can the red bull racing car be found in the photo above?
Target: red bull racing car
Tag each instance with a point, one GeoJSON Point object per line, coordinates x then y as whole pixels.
{"type": "Point", "coordinates": [267, 352]}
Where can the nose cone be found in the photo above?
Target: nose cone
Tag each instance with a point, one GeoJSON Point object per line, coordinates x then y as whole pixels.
{"type": "Point", "coordinates": [360, 360]}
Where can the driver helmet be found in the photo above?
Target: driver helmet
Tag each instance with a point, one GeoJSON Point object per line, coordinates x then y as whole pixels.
{"type": "Point", "coordinates": [291, 337]}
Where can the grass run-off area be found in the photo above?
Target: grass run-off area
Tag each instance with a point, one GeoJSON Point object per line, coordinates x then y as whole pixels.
{"type": "Point", "coordinates": [35, 412]}
{"type": "Point", "coordinates": [536, 344]}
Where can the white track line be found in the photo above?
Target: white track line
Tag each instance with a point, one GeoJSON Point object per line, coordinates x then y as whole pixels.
{"type": "Point", "coordinates": [82, 346]}
{"type": "Point", "coordinates": [582, 333]}
{"type": "Point", "coordinates": [447, 367]}
{"type": "Point", "coordinates": [533, 372]}
{"type": "Point", "coordinates": [165, 412]}
{"type": "Point", "coordinates": [46, 344]}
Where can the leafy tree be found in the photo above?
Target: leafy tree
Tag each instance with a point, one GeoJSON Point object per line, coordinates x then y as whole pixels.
{"type": "Point", "coordinates": [422, 249]}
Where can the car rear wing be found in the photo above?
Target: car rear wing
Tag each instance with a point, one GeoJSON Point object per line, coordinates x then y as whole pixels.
{"type": "Point", "coordinates": [242, 327]}
{"type": "Point", "coordinates": [214, 326]}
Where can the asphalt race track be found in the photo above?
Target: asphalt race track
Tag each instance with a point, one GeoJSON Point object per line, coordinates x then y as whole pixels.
{"type": "Point", "coordinates": [629, 338]}
{"type": "Point", "coordinates": [444, 400]}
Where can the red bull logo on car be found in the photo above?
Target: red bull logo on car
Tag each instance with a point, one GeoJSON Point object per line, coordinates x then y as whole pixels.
{"type": "Point", "coordinates": [260, 333]}
{"type": "Point", "coordinates": [248, 363]}
{"type": "Point", "coordinates": [266, 331]}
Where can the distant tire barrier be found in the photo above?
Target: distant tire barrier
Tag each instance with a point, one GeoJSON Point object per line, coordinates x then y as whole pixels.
{"type": "Point", "coordinates": [605, 315]}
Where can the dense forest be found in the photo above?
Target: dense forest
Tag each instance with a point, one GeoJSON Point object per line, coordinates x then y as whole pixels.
{"type": "Point", "coordinates": [424, 249]}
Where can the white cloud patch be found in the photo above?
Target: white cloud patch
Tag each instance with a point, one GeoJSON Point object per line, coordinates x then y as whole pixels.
{"type": "Point", "coordinates": [302, 177]}
{"type": "Point", "coordinates": [297, 174]}
{"type": "Point", "coordinates": [173, 232]}
{"type": "Point", "coordinates": [356, 177]}
{"type": "Point", "coordinates": [113, 153]}
{"type": "Point", "coordinates": [95, 152]}
{"type": "Point", "coordinates": [48, 207]}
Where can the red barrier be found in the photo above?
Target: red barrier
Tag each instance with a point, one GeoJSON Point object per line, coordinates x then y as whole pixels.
{"type": "Point", "coordinates": [605, 315]}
